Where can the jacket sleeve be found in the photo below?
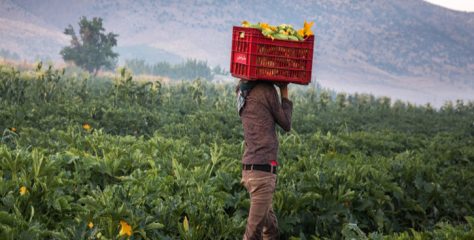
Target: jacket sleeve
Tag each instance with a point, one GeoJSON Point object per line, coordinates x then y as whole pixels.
{"type": "Point", "coordinates": [281, 111]}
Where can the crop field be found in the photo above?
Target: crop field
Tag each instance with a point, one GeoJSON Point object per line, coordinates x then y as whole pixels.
{"type": "Point", "coordinates": [115, 158]}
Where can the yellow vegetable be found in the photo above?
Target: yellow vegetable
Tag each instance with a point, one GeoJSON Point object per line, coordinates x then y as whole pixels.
{"type": "Point", "coordinates": [266, 32]}
{"type": "Point", "coordinates": [282, 31]}
{"type": "Point", "coordinates": [293, 38]}
{"type": "Point", "coordinates": [281, 36]}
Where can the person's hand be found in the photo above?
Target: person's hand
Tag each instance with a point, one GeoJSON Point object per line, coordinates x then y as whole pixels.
{"type": "Point", "coordinates": [283, 89]}
{"type": "Point", "coordinates": [281, 84]}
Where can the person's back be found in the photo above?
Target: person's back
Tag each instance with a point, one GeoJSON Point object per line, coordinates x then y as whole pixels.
{"type": "Point", "coordinates": [261, 110]}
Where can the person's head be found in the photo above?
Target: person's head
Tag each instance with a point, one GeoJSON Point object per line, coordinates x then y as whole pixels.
{"type": "Point", "coordinates": [241, 81]}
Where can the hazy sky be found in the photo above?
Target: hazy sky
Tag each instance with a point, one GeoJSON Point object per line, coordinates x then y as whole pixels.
{"type": "Point", "coordinates": [460, 5]}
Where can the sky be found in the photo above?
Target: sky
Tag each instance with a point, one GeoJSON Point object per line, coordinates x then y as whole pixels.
{"type": "Point", "coordinates": [460, 5]}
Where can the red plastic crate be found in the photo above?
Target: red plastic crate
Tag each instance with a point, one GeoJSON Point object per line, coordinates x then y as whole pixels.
{"type": "Point", "coordinates": [256, 57]}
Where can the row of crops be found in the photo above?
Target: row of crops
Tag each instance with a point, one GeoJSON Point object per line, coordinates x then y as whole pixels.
{"type": "Point", "coordinates": [117, 158]}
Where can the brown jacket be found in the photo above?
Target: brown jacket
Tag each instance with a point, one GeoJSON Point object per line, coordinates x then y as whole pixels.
{"type": "Point", "coordinates": [261, 111]}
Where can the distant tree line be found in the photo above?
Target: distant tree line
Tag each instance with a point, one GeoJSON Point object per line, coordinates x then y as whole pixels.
{"type": "Point", "coordinates": [9, 55]}
{"type": "Point", "coordinates": [218, 70]}
{"type": "Point", "coordinates": [190, 69]}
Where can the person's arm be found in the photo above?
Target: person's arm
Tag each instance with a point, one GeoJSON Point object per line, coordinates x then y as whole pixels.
{"type": "Point", "coordinates": [282, 112]}
{"type": "Point", "coordinates": [284, 91]}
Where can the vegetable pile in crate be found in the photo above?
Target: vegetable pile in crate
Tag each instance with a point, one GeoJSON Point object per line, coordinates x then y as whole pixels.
{"type": "Point", "coordinates": [273, 53]}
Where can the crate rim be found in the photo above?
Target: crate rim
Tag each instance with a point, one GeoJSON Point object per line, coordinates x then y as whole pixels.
{"type": "Point", "coordinates": [307, 39]}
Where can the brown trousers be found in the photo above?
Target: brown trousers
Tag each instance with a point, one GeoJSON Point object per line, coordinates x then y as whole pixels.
{"type": "Point", "coordinates": [261, 222]}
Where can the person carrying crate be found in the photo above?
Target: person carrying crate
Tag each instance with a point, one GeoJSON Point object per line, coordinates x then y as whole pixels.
{"type": "Point", "coordinates": [260, 109]}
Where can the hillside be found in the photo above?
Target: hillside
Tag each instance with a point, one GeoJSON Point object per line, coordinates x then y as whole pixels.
{"type": "Point", "coordinates": [390, 48]}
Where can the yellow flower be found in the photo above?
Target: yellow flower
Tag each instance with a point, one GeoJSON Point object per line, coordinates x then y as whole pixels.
{"type": "Point", "coordinates": [301, 32]}
{"type": "Point", "coordinates": [125, 229]}
{"type": "Point", "coordinates": [264, 26]}
{"type": "Point", "coordinates": [13, 129]}
{"type": "Point", "coordinates": [245, 24]}
{"type": "Point", "coordinates": [307, 28]}
{"type": "Point", "coordinates": [90, 225]}
{"type": "Point", "coordinates": [86, 126]}
{"type": "Point", "coordinates": [23, 190]}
